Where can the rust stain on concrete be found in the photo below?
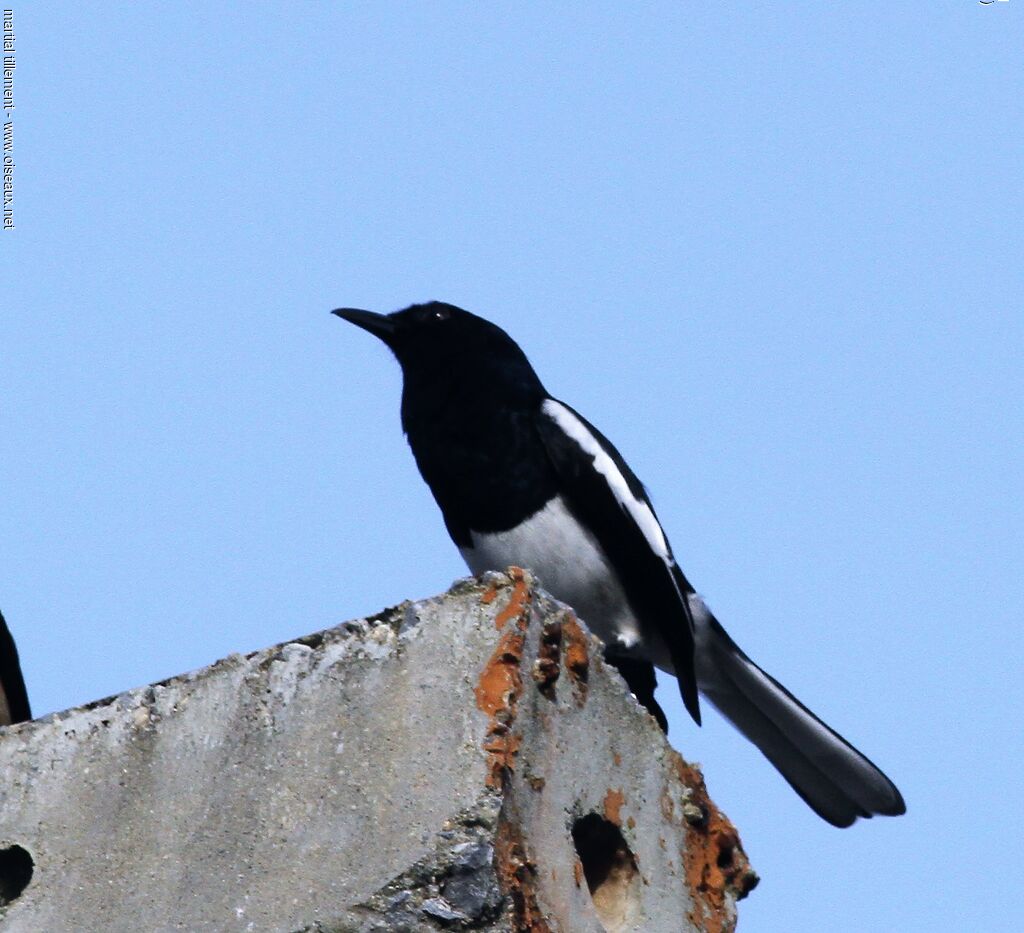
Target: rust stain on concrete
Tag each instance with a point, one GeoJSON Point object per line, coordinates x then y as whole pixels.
{"type": "Point", "coordinates": [713, 858]}
{"type": "Point", "coordinates": [489, 596]}
{"type": "Point", "coordinates": [517, 876]}
{"type": "Point", "coordinates": [613, 802]}
{"type": "Point", "coordinates": [519, 600]}
{"type": "Point", "coordinates": [500, 683]}
{"type": "Point", "coordinates": [577, 656]}
{"type": "Point", "coordinates": [502, 751]}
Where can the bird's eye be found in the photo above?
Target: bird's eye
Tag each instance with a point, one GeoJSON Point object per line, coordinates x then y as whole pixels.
{"type": "Point", "coordinates": [428, 314]}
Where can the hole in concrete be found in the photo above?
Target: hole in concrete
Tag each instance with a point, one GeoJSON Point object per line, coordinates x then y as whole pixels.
{"type": "Point", "coordinates": [610, 869]}
{"type": "Point", "coordinates": [16, 867]}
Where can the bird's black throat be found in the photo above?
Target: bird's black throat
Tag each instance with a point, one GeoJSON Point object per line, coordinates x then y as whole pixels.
{"type": "Point", "coordinates": [472, 432]}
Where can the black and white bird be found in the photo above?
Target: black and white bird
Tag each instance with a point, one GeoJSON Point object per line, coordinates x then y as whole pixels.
{"type": "Point", "coordinates": [522, 479]}
{"type": "Point", "coordinates": [13, 696]}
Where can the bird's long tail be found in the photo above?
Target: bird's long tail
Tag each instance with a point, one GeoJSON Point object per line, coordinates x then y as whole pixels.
{"type": "Point", "coordinates": [837, 781]}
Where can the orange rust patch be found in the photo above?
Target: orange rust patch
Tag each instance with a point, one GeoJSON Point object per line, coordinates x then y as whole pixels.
{"type": "Point", "coordinates": [497, 694]}
{"type": "Point", "coordinates": [500, 683]}
{"type": "Point", "coordinates": [577, 873]}
{"type": "Point", "coordinates": [502, 750]}
{"type": "Point", "coordinates": [630, 822]}
{"type": "Point", "coordinates": [517, 876]}
{"type": "Point", "coordinates": [489, 596]}
{"type": "Point", "coordinates": [613, 802]}
{"type": "Point", "coordinates": [616, 759]}
{"type": "Point", "coordinates": [577, 657]}
{"type": "Point", "coordinates": [518, 602]}
{"type": "Point", "coordinates": [713, 860]}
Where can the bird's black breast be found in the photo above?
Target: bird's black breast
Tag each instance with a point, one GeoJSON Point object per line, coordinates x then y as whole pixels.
{"type": "Point", "coordinates": [485, 465]}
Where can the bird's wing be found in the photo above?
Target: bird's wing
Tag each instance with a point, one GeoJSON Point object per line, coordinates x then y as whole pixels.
{"type": "Point", "coordinates": [12, 685]}
{"type": "Point", "coordinates": [606, 497]}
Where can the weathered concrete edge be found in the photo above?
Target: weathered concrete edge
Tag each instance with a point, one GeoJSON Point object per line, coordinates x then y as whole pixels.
{"type": "Point", "coordinates": [710, 872]}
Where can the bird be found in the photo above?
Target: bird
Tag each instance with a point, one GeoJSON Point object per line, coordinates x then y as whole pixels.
{"type": "Point", "coordinates": [522, 479]}
{"type": "Point", "coordinates": [14, 705]}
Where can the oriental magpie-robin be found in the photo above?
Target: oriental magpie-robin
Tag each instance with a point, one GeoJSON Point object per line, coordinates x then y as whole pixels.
{"type": "Point", "coordinates": [13, 697]}
{"type": "Point", "coordinates": [522, 479]}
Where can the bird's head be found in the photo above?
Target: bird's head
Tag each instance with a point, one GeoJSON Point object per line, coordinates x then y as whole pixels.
{"type": "Point", "coordinates": [437, 341]}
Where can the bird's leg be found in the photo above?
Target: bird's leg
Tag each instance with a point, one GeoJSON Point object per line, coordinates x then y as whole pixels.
{"type": "Point", "coordinates": [640, 678]}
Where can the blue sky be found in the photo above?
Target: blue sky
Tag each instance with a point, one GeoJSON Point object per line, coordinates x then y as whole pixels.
{"type": "Point", "coordinates": [773, 251]}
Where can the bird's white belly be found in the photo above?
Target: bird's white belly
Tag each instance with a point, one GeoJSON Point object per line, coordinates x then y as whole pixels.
{"type": "Point", "coordinates": [568, 563]}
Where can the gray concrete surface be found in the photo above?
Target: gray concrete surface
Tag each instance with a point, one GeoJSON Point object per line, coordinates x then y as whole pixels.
{"type": "Point", "coordinates": [423, 769]}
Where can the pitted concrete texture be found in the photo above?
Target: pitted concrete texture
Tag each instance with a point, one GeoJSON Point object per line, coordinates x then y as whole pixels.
{"type": "Point", "coordinates": [464, 762]}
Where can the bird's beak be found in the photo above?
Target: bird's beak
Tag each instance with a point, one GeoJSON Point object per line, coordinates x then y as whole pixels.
{"type": "Point", "coordinates": [380, 325]}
